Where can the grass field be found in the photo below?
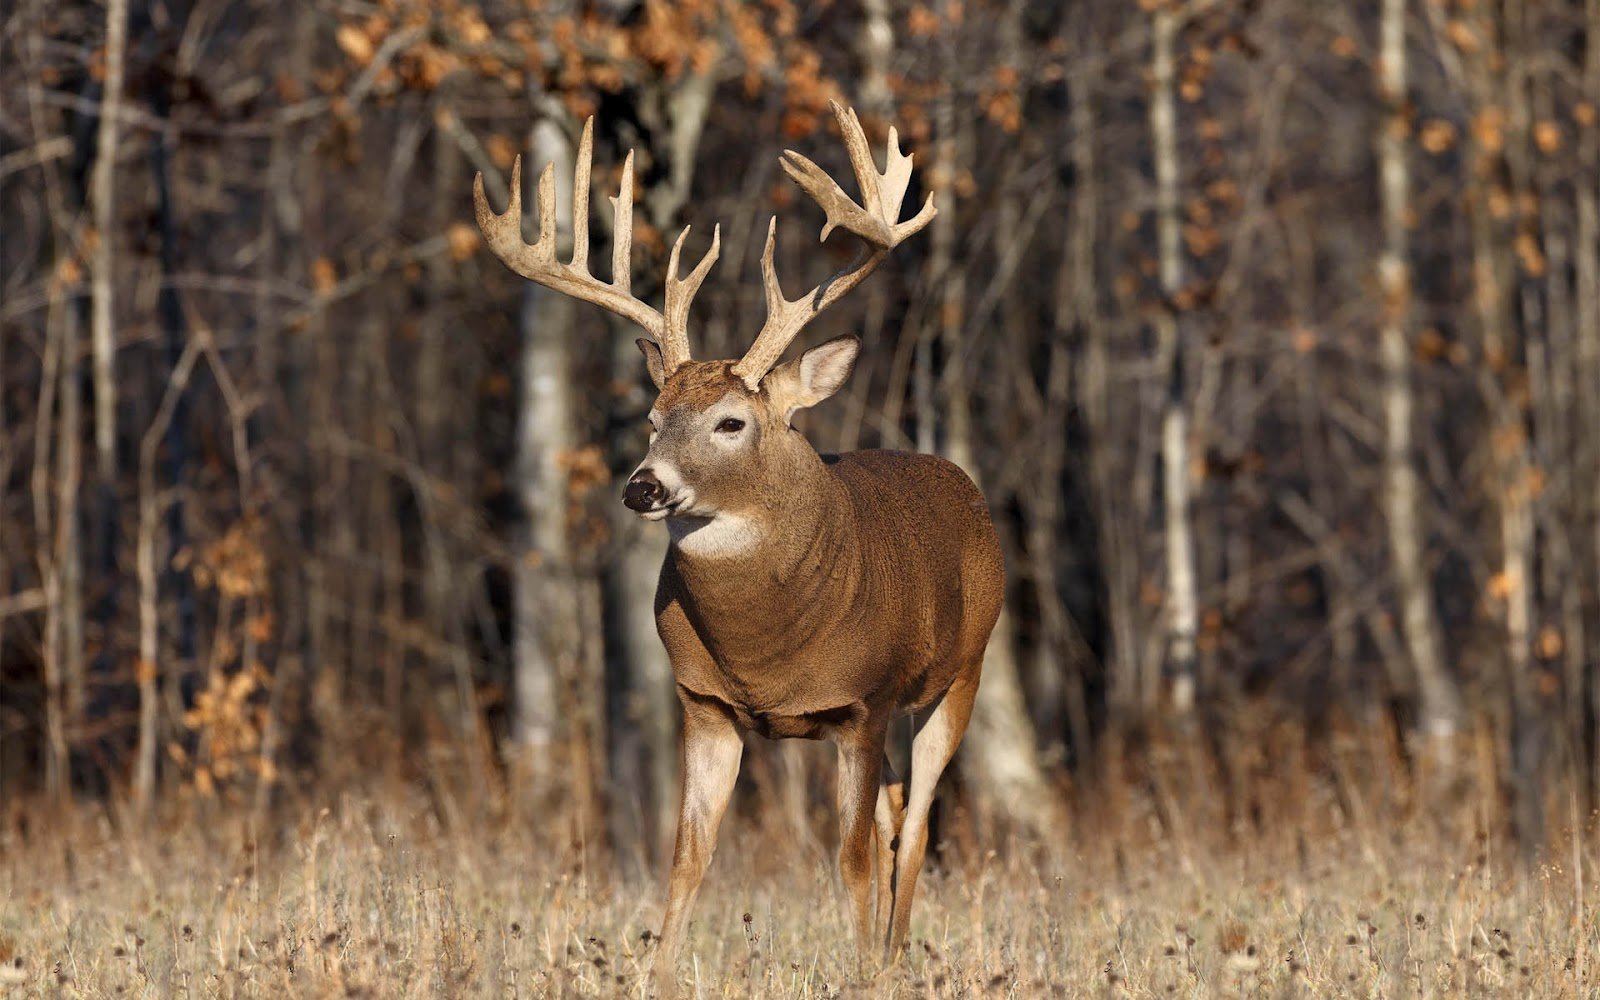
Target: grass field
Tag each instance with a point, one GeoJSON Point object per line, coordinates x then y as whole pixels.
{"type": "Point", "coordinates": [373, 899]}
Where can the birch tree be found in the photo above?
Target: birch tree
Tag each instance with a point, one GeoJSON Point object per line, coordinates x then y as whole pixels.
{"type": "Point", "coordinates": [1171, 352]}
{"type": "Point", "coordinates": [1439, 710]}
{"type": "Point", "coordinates": [546, 625]}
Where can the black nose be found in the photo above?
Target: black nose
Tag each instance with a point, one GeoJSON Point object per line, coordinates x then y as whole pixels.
{"type": "Point", "coordinates": [644, 491]}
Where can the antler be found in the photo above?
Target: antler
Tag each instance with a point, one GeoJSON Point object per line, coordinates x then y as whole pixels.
{"type": "Point", "coordinates": [874, 220]}
{"type": "Point", "coordinates": [537, 261]}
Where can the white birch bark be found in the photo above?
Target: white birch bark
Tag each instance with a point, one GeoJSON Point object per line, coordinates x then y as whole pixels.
{"type": "Point", "coordinates": [1439, 708]}
{"type": "Point", "coordinates": [545, 604]}
{"type": "Point", "coordinates": [103, 197]}
{"type": "Point", "coordinates": [877, 48]}
{"type": "Point", "coordinates": [1182, 605]}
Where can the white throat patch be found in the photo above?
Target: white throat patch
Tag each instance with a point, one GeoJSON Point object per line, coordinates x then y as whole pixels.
{"type": "Point", "coordinates": [716, 537]}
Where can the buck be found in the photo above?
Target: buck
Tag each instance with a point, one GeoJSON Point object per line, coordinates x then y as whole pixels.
{"type": "Point", "coordinates": [802, 595]}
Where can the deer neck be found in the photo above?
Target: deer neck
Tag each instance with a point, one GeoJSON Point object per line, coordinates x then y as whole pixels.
{"type": "Point", "coordinates": [751, 577]}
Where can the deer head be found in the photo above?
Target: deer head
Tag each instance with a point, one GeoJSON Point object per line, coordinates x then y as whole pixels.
{"type": "Point", "coordinates": [722, 447]}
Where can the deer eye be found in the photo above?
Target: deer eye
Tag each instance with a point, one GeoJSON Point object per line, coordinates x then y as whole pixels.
{"type": "Point", "coordinates": [731, 425]}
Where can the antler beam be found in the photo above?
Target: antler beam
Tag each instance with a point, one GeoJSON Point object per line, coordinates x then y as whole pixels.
{"type": "Point", "coordinates": [538, 262]}
{"type": "Point", "coordinates": [875, 220]}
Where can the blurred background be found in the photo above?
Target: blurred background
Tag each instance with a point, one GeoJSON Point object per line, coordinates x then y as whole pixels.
{"type": "Point", "coordinates": [1271, 331]}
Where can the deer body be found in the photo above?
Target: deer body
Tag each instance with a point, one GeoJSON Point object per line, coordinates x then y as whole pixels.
{"type": "Point", "coordinates": [867, 591]}
{"type": "Point", "coordinates": [802, 595]}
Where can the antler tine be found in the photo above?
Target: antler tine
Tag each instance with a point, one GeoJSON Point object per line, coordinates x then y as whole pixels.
{"type": "Point", "coordinates": [580, 199]}
{"type": "Point", "coordinates": [776, 303]}
{"type": "Point", "coordinates": [622, 234]}
{"type": "Point", "coordinates": [680, 293]}
{"type": "Point", "coordinates": [538, 261]}
{"type": "Point", "coordinates": [786, 318]}
{"type": "Point", "coordinates": [874, 220]}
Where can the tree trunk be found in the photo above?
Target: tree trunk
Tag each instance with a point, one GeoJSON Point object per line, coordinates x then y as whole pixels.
{"type": "Point", "coordinates": [998, 756]}
{"type": "Point", "coordinates": [877, 49]}
{"type": "Point", "coordinates": [644, 705]}
{"type": "Point", "coordinates": [103, 196]}
{"type": "Point", "coordinates": [1526, 323]}
{"type": "Point", "coordinates": [1586, 293]}
{"type": "Point", "coordinates": [57, 759]}
{"type": "Point", "coordinates": [147, 669]}
{"type": "Point", "coordinates": [1182, 605]}
{"type": "Point", "coordinates": [1087, 327]}
{"type": "Point", "coordinates": [437, 353]}
{"type": "Point", "coordinates": [546, 642]}
{"type": "Point", "coordinates": [644, 709]}
{"type": "Point", "coordinates": [103, 200]}
{"type": "Point", "coordinates": [1439, 709]}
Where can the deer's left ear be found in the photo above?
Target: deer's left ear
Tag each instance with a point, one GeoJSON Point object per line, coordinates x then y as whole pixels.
{"type": "Point", "coordinates": [814, 375]}
{"type": "Point", "coordinates": [653, 361]}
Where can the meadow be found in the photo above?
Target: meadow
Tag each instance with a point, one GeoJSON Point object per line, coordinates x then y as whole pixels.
{"type": "Point", "coordinates": [1344, 889]}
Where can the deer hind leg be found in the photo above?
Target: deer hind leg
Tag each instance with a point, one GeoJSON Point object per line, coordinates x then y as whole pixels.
{"type": "Point", "coordinates": [711, 752]}
{"type": "Point", "coordinates": [931, 749]}
{"type": "Point", "coordinates": [860, 777]}
{"type": "Point", "coordinates": [890, 814]}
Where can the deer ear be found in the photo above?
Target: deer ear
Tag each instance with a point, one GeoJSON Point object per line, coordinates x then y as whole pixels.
{"type": "Point", "coordinates": [814, 375]}
{"type": "Point", "coordinates": [652, 360]}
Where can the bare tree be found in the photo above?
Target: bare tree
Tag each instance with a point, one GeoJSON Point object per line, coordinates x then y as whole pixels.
{"type": "Point", "coordinates": [103, 196]}
{"type": "Point", "coordinates": [1586, 293]}
{"type": "Point", "coordinates": [546, 625]}
{"type": "Point", "coordinates": [1439, 710]}
{"type": "Point", "coordinates": [1171, 351]}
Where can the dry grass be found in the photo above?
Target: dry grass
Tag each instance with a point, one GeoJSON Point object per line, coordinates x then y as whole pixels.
{"type": "Point", "coordinates": [375, 899]}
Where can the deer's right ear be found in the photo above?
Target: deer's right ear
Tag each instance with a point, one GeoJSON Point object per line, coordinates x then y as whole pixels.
{"type": "Point", "coordinates": [653, 361]}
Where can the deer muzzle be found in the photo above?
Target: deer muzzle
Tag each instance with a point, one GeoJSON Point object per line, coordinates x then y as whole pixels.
{"type": "Point", "coordinates": [644, 492]}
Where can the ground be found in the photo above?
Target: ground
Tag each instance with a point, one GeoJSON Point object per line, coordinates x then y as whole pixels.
{"type": "Point", "coordinates": [378, 899]}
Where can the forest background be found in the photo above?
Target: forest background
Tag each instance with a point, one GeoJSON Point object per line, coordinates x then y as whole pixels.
{"type": "Point", "coordinates": [1270, 329]}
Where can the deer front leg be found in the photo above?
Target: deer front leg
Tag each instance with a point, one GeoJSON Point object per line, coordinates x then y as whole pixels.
{"type": "Point", "coordinates": [860, 771]}
{"type": "Point", "coordinates": [711, 752]}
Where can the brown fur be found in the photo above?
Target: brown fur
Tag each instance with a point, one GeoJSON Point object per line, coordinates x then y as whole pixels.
{"type": "Point", "coordinates": [871, 593]}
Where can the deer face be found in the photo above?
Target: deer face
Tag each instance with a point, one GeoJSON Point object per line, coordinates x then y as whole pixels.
{"type": "Point", "coordinates": [721, 453]}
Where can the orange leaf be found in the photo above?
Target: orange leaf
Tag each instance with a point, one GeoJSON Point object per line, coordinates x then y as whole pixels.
{"type": "Point", "coordinates": [324, 276]}
{"type": "Point", "coordinates": [354, 43]}
{"type": "Point", "coordinates": [502, 150]}
{"type": "Point", "coordinates": [1550, 643]}
{"type": "Point", "coordinates": [1488, 127]}
{"type": "Point", "coordinates": [1461, 36]}
{"type": "Point", "coordinates": [1430, 343]}
{"type": "Point", "coordinates": [463, 241]}
{"type": "Point", "coordinates": [1437, 136]}
{"type": "Point", "coordinates": [1536, 480]}
{"type": "Point", "coordinates": [1528, 252]}
{"type": "Point", "coordinates": [1501, 585]}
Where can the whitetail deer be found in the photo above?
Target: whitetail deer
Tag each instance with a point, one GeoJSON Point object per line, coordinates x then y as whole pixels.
{"type": "Point", "coordinates": [802, 595]}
